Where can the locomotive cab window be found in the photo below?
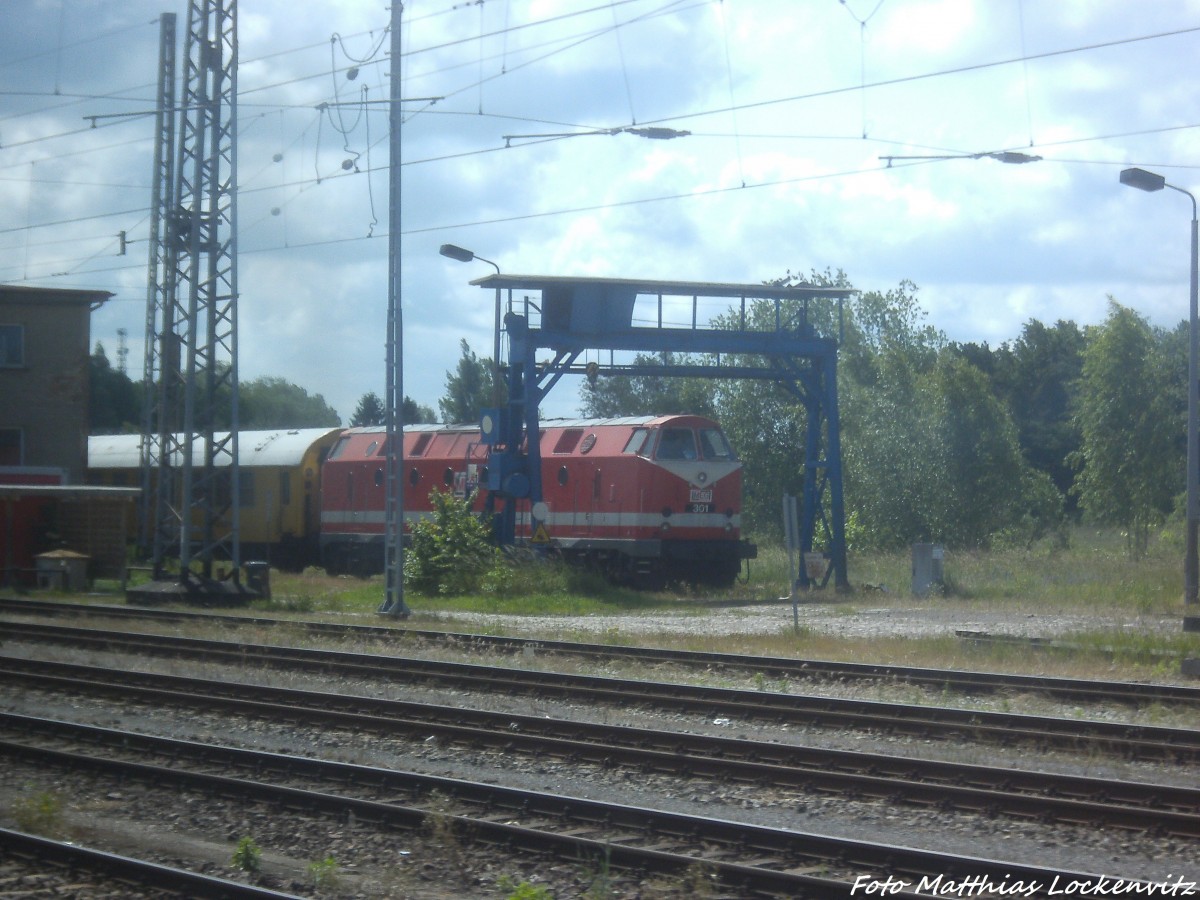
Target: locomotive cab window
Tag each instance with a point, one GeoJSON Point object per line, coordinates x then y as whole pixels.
{"type": "Point", "coordinates": [338, 448]}
{"type": "Point", "coordinates": [637, 441]}
{"type": "Point", "coordinates": [715, 445]}
{"type": "Point", "coordinates": [676, 443]}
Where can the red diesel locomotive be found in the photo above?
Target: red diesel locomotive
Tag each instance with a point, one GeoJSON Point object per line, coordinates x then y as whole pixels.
{"type": "Point", "coordinates": [644, 499]}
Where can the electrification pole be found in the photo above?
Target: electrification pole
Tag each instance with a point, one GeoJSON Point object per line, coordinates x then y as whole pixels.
{"type": "Point", "coordinates": [393, 601]}
{"type": "Point", "coordinates": [160, 371]}
{"type": "Point", "coordinates": [199, 337]}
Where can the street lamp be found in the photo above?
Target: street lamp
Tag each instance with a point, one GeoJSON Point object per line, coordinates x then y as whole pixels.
{"type": "Point", "coordinates": [1148, 181]}
{"type": "Point", "coordinates": [451, 251]}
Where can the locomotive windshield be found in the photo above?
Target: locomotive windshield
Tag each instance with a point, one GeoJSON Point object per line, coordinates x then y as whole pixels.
{"type": "Point", "coordinates": [714, 444]}
{"type": "Point", "coordinates": [677, 443]}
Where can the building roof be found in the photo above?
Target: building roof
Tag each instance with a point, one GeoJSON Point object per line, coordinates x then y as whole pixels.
{"type": "Point", "coordinates": [21, 294]}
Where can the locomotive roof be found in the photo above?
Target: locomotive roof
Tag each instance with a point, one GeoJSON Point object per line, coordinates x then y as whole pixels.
{"type": "Point", "coordinates": [628, 421]}
{"type": "Point", "coordinates": [282, 447]}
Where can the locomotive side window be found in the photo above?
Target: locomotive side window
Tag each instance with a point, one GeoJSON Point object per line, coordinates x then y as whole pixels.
{"type": "Point", "coordinates": [677, 443]}
{"type": "Point", "coordinates": [563, 475]}
{"type": "Point", "coordinates": [379, 478]}
{"type": "Point", "coordinates": [714, 444]}
{"type": "Point", "coordinates": [637, 441]}
{"type": "Point", "coordinates": [338, 448]}
{"type": "Point", "coordinates": [421, 443]}
{"type": "Point", "coordinates": [568, 440]}
{"type": "Point", "coordinates": [371, 448]}
{"type": "Point", "coordinates": [413, 476]}
{"type": "Point", "coordinates": [448, 477]}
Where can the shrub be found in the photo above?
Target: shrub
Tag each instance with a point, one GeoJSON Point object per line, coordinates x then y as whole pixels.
{"type": "Point", "coordinates": [450, 551]}
{"type": "Point", "coordinates": [247, 856]}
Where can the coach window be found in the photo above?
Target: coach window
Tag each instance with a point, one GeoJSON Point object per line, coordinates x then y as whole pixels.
{"type": "Point", "coordinates": [12, 346]}
{"type": "Point", "coordinates": [285, 488]}
{"type": "Point", "coordinates": [245, 488]}
{"type": "Point", "coordinates": [10, 446]}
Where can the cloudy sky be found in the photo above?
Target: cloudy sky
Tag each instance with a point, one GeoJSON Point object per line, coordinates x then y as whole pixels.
{"type": "Point", "coordinates": [792, 107]}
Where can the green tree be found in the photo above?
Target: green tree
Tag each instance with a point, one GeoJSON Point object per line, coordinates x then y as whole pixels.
{"type": "Point", "coordinates": [468, 388]}
{"type": "Point", "coordinates": [1036, 375]}
{"type": "Point", "coordinates": [369, 411]}
{"type": "Point", "coordinates": [1128, 461]}
{"type": "Point", "coordinates": [415, 413]}
{"type": "Point", "coordinates": [115, 402]}
{"type": "Point", "coordinates": [271, 402]}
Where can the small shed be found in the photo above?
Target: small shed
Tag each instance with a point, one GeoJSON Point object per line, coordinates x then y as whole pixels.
{"type": "Point", "coordinates": [64, 570]}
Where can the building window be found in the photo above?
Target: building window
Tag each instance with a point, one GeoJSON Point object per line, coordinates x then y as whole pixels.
{"type": "Point", "coordinates": [12, 346]}
{"type": "Point", "coordinates": [10, 446]}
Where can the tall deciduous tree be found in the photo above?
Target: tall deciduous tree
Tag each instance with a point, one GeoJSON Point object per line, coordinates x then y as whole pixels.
{"type": "Point", "coordinates": [272, 402]}
{"type": "Point", "coordinates": [1129, 467]}
{"type": "Point", "coordinates": [648, 395]}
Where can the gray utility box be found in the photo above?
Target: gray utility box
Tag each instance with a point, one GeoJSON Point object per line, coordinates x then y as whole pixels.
{"type": "Point", "coordinates": [927, 571]}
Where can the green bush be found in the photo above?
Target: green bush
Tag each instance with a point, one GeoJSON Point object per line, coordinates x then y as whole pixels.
{"type": "Point", "coordinates": [451, 551]}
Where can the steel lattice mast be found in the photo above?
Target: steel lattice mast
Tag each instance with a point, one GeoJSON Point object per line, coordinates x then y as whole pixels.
{"type": "Point", "coordinates": [196, 344]}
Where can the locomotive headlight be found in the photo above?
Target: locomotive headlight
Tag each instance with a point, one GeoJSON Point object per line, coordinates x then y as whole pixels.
{"type": "Point", "coordinates": [701, 477]}
{"type": "Point", "coordinates": [665, 527]}
{"type": "Point", "coordinates": [728, 526]}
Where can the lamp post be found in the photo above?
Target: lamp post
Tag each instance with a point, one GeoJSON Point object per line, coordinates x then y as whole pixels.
{"type": "Point", "coordinates": [1148, 181]}
{"type": "Point", "coordinates": [461, 254]}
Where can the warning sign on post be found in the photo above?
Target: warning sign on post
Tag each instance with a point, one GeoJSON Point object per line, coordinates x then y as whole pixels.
{"type": "Point", "coordinates": [539, 535]}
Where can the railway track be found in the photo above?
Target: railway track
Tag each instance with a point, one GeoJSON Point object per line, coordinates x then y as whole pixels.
{"type": "Point", "coordinates": [1133, 693]}
{"type": "Point", "coordinates": [751, 860]}
{"type": "Point", "coordinates": [31, 866]}
{"type": "Point", "coordinates": [1041, 797]}
{"type": "Point", "coordinates": [1141, 742]}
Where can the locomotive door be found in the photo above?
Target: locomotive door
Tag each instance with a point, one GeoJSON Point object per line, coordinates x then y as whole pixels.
{"type": "Point", "coordinates": [595, 507]}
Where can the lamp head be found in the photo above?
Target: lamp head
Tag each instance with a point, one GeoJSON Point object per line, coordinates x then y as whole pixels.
{"type": "Point", "coordinates": [1143, 180]}
{"type": "Point", "coordinates": [454, 252]}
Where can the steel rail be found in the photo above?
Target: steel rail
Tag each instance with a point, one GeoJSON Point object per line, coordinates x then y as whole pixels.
{"type": "Point", "coordinates": [1132, 741]}
{"type": "Point", "coordinates": [160, 878]}
{"type": "Point", "coordinates": [1138, 693]}
{"type": "Point", "coordinates": [1025, 795]}
{"type": "Point", "coordinates": [574, 828]}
